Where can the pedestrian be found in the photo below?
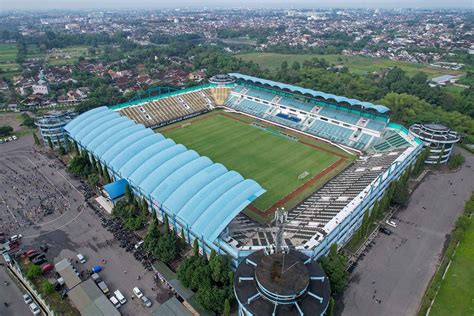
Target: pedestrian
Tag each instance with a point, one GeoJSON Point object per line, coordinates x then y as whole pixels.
{"type": "Point", "coordinates": [124, 271]}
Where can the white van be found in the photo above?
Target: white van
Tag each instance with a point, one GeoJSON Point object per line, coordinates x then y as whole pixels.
{"type": "Point", "coordinates": [81, 258]}
{"type": "Point", "coordinates": [115, 301]}
{"type": "Point", "coordinates": [120, 297]}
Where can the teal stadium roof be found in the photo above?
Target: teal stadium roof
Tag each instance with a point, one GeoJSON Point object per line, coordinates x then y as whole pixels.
{"type": "Point", "coordinates": [317, 94]}
{"type": "Point", "coordinates": [199, 193]}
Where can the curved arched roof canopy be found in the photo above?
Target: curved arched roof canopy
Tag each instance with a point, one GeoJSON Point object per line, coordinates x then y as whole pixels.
{"type": "Point", "coordinates": [199, 193]}
{"type": "Point", "coordinates": [317, 94]}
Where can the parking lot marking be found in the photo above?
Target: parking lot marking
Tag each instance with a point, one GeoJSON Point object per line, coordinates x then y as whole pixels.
{"type": "Point", "coordinates": [11, 213]}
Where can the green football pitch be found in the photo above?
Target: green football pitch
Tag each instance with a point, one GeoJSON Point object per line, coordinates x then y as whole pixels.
{"type": "Point", "coordinates": [270, 158]}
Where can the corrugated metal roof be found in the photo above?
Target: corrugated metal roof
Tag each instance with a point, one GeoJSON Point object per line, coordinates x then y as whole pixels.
{"type": "Point", "coordinates": [327, 96]}
{"type": "Point", "coordinates": [201, 194]}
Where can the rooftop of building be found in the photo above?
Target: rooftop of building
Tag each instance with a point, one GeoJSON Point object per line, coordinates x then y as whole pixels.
{"type": "Point", "coordinates": [311, 294]}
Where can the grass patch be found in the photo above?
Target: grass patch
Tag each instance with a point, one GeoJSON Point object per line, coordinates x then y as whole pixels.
{"type": "Point", "coordinates": [67, 56]}
{"type": "Point", "coordinates": [8, 52]}
{"type": "Point", "coordinates": [456, 294]}
{"type": "Point", "coordinates": [275, 162]}
{"type": "Point", "coordinates": [356, 64]}
{"type": "Point", "coordinates": [454, 89]}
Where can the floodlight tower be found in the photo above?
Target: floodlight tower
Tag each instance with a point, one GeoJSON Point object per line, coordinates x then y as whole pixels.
{"type": "Point", "coordinates": [280, 220]}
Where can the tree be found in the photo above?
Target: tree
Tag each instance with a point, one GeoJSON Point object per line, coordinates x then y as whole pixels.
{"type": "Point", "coordinates": [166, 224]}
{"type": "Point", "coordinates": [401, 194]}
{"type": "Point", "coordinates": [105, 172]}
{"type": "Point", "coordinates": [226, 307]}
{"type": "Point", "coordinates": [183, 236]}
{"type": "Point", "coordinates": [76, 148]}
{"type": "Point", "coordinates": [335, 266]}
{"type": "Point", "coordinates": [33, 272]}
{"type": "Point", "coordinates": [61, 150]}
{"type": "Point", "coordinates": [330, 310]}
{"type": "Point", "coordinates": [47, 287]}
{"type": "Point", "coordinates": [79, 166]}
{"type": "Point", "coordinates": [128, 194]}
{"type": "Point", "coordinates": [196, 247]}
{"type": "Point", "coordinates": [296, 66]}
{"type": "Point", "coordinates": [35, 137]}
{"type": "Point", "coordinates": [456, 161]}
{"type": "Point", "coordinates": [50, 143]}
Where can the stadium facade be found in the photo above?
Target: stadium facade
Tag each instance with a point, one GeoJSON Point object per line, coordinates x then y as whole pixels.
{"type": "Point", "coordinates": [439, 138]}
{"type": "Point", "coordinates": [51, 126]}
{"type": "Point", "coordinates": [206, 200]}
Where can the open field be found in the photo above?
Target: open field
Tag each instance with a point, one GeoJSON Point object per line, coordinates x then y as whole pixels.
{"type": "Point", "coordinates": [274, 161]}
{"type": "Point", "coordinates": [8, 66]}
{"type": "Point", "coordinates": [68, 55]}
{"type": "Point", "coordinates": [456, 294]}
{"type": "Point", "coordinates": [356, 64]}
{"type": "Point", "coordinates": [8, 52]}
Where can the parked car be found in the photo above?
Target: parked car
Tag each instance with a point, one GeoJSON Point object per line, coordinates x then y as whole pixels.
{"type": "Point", "coordinates": [139, 244]}
{"type": "Point", "coordinates": [115, 302]}
{"type": "Point", "coordinates": [96, 278]}
{"type": "Point", "coordinates": [137, 292]}
{"type": "Point", "coordinates": [31, 252]}
{"type": "Point", "coordinates": [385, 231]}
{"type": "Point", "coordinates": [35, 309]}
{"type": "Point", "coordinates": [47, 267]}
{"type": "Point", "coordinates": [27, 299]}
{"type": "Point", "coordinates": [120, 297]}
{"type": "Point", "coordinates": [391, 223]}
{"type": "Point", "coordinates": [146, 301]}
{"type": "Point", "coordinates": [103, 287]}
{"type": "Point", "coordinates": [16, 237]}
{"type": "Point", "coordinates": [81, 258]}
{"type": "Point", "coordinates": [39, 260]}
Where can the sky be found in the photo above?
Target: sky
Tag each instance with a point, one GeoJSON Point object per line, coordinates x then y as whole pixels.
{"type": "Point", "coordinates": [157, 4]}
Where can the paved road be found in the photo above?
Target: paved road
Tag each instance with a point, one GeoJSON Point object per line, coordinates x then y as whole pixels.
{"type": "Point", "coordinates": [393, 276]}
{"type": "Point", "coordinates": [12, 295]}
{"type": "Point", "coordinates": [77, 229]}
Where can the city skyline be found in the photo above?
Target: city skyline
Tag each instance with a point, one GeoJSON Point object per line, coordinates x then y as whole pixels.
{"type": "Point", "coordinates": [148, 4]}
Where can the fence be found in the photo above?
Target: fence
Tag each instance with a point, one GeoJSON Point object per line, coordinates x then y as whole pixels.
{"type": "Point", "coordinates": [15, 269]}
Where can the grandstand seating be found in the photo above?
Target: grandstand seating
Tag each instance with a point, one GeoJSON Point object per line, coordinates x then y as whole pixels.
{"type": "Point", "coordinates": [217, 94]}
{"type": "Point", "coordinates": [161, 111]}
{"type": "Point", "coordinates": [262, 95]}
{"type": "Point", "coordinates": [330, 131]}
{"type": "Point", "coordinates": [251, 107]}
{"type": "Point", "coordinates": [375, 125]}
{"type": "Point", "coordinates": [390, 141]}
{"type": "Point", "coordinates": [310, 216]}
{"type": "Point", "coordinates": [362, 142]}
{"type": "Point", "coordinates": [339, 115]}
{"type": "Point", "coordinates": [319, 128]}
{"type": "Point", "coordinates": [296, 104]}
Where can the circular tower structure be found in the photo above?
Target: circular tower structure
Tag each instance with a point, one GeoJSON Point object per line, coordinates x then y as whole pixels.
{"type": "Point", "coordinates": [221, 80]}
{"type": "Point", "coordinates": [281, 284]}
{"type": "Point", "coordinates": [439, 138]}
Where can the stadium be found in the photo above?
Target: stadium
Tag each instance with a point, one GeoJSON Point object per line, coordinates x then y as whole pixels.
{"type": "Point", "coordinates": [220, 159]}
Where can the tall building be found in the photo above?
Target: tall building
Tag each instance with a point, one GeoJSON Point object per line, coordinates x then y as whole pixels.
{"type": "Point", "coordinates": [439, 138]}
{"type": "Point", "coordinates": [51, 126]}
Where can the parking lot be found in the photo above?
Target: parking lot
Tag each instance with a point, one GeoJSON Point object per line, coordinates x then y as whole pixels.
{"type": "Point", "coordinates": [43, 203]}
{"type": "Point", "coordinates": [392, 277]}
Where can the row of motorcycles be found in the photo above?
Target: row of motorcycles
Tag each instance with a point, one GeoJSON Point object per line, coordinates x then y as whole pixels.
{"type": "Point", "coordinates": [127, 239]}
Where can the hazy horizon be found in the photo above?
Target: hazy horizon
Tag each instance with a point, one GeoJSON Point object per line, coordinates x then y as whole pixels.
{"type": "Point", "coordinates": [150, 4]}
